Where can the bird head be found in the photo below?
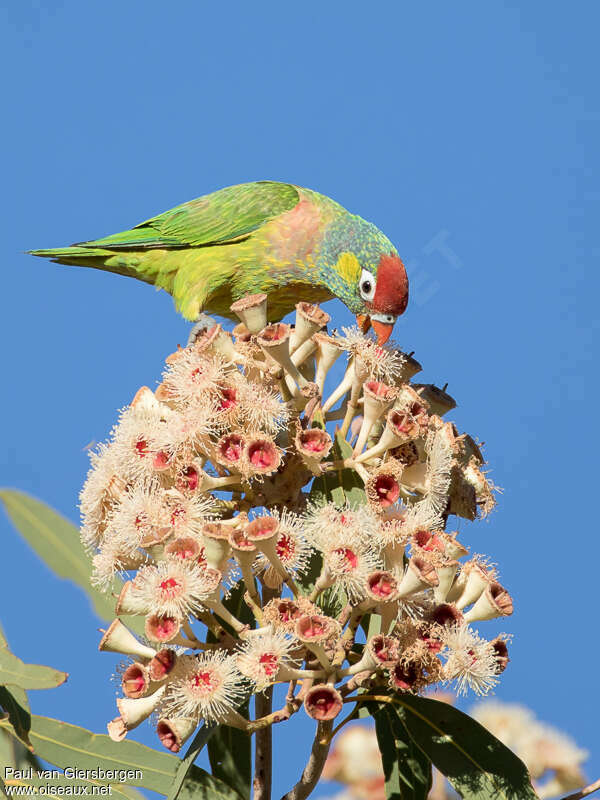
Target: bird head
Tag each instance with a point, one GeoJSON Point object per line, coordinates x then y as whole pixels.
{"type": "Point", "coordinates": [377, 290]}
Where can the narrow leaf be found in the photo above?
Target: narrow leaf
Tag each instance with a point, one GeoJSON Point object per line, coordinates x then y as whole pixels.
{"type": "Point", "coordinates": [66, 745]}
{"type": "Point", "coordinates": [341, 486]}
{"type": "Point", "coordinates": [230, 749]}
{"type": "Point", "coordinates": [56, 541]}
{"type": "Point", "coordinates": [230, 755]}
{"type": "Point", "coordinates": [185, 765]}
{"type": "Point", "coordinates": [477, 765]}
{"type": "Point", "coordinates": [407, 770]}
{"type": "Point", "coordinates": [28, 676]}
{"type": "Point", "coordinates": [202, 786]}
{"type": "Point", "coordinates": [14, 702]}
{"type": "Point", "coordinates": [77, 786]}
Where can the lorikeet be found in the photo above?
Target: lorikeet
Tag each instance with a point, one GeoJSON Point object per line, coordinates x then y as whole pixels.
{"type": "Point", "coordinates": [288, 242]}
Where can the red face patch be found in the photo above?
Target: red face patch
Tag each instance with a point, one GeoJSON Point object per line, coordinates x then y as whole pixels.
{"type": "Point", "coordinates": [391, 290]}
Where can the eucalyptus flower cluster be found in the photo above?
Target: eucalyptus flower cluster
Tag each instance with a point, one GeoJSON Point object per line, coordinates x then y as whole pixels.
{"type": "Point", "coordinates": [254, 541]}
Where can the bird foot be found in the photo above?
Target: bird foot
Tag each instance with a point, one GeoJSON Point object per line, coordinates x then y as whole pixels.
{"type": "Point", "coordinates": [203, 323]}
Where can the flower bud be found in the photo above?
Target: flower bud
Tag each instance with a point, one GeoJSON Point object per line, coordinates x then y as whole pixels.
{"type": "Point", "coordinates": [395, 433]}
{"type": "Point", "coordinates": [261, 455]}
{"type": "Point", "coordinates": [446, 574]}
{"type": "Point", "coordinates": [378, 398]}
{"type": "Point", "coordinates": [183, 547]}
{"type": "Point", "coordinates": [230, 451]}
{"type": "Point", "coordinates": [275, 343]}
{"type": "Point", "coordinates": [218, 341]}
{"type": "Point", "coordinates": [382, 587]}
{"type": "Point", "coordinates": [129, 604]}
{"type": "Point", "coordinates": [135, 680]}
{"type": "Point", "coordinates": [252, 311]}
{"type": "Point", "coordinates": [438, 400]}
{"type": "Point", "coordinates": [328, 351]}
{"type": "Point", "coordinates": [419, 575]}
{"type": "Point", "coordinates": [217, 548]}
{"type": "Point", "coordinates": [134, 712]}
{"type": "Point", "coordinates": [309, 320]}
{"type": "Point", "coordinates": [119, 639]}
{"type": "Point", "coordinates": [173, 733]}
{"type": "Point", "coordinates": [162, 664]}
{"type": "Point", "coordinates": [323, 702]}
{"type": "Point", "coordinates": [161, 629]}
{"type": "Point", "coordinates": [494, 602]}
{"type": "Point", "coordinates": [313, 445]}
{"type": "Point", "coordinates": [476, 583]}
{"type": "Point", "coordinates": [383, 487]}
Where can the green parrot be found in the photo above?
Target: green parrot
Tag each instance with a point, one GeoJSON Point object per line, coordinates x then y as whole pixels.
{"type": "Point", "coordinates": [288, 242]}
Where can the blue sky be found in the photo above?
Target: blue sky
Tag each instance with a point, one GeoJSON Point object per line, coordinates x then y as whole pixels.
{"type": "Point", "coordinates": [468, 132]}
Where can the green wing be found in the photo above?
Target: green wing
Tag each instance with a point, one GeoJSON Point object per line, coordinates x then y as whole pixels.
{"type": "Point", "coordinates": [227, 215]}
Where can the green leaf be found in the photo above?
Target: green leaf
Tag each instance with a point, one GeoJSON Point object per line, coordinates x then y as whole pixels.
{"type": "Point", "coordinates": [56, 541]}
{"type": "Point", "coordinates": [78, 785]}
{"type": "Point", "coordinates": [28, 676]}
{"type": "Point", "coordinates": [66, 745]}
{"type": "Point", "coordinates": [230, 749]}
{"type": "Point", "coordinates": [478, 766]}
{"type": "Point", "coordinates": [202, 786]}
{"type": "Point", "coordinates": [230, 754]}
{"type": "Point", "coordinates": [17, 708]}
{"type": "Point", "coordinates": [186, 763]}
{"type": "Point", "coordinates": [341, 487]}
{"type": "Point", "coordinates": [15, 703]}
{"type": "Point", "coordinates": [407, 770]}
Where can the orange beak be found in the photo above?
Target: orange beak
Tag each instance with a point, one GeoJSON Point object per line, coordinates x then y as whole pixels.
{"type": "Point", "coordinates": [383, 331]}
{"type": "Point", "coordinates": [364, 322]}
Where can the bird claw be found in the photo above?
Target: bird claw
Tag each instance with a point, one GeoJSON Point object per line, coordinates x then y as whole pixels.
{"type": "Point", "coordinates": [203, 323]}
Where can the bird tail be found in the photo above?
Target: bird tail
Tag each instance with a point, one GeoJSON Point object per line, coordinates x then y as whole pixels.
{"type": "Point", "coordinates": [97, 258]}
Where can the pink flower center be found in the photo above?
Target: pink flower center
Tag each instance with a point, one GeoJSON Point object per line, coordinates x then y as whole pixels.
{"type": "Point", "coordinates": [170, 587]}
{"type": "Point", "coordinates": [190, 478]}
{"type": "Point", "coordinates": [384, 649]}
{"type": "Point", "coordinates": [288, 611]}
{"type": "Point", "coordinates": [228, 398]}
{"type": "Point", "coordinates": [134, 681]}
{"type": "Point", "coordinates": [313, 441]}
{"type": "Point", "coordinates": [231, 448]}
{"type": "Point", "coordinates": [261, 454]}
{"type": "Point", "coordinates": [270, 663]}
{"type": "Point", "coordinates": [381, 585]}
{"type": "Point", "coordinates": [380, 389]}
{"type": "Point", "coordinates": [348, 559]}
{"type": "Point", "coordinates": [161, 460]}
{"type": "Point", "coordinates": [286, 548]}
{"type": "Point", "coordinates": [163, 628]}
{"type": "Point", "coordinates": [387, 490]}
{"type": "Point", "coordinates": [400, 422]}
{"type": "Point", "coordinates": [167, 737]}
{"type": "Point", "coordinates": [404, 676]}
{"type": "Point", "coordinates": [178, 516]}
{"type": "Point", "coordinates": [323, 704]}
{"type": "Point", "coordinates": [205, 681]}
{"type": "Point", "coordinates": [312, 628]}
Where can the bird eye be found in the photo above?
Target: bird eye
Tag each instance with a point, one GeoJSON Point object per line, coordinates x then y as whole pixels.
{"type": "Point", "coordinates": [366, 285]}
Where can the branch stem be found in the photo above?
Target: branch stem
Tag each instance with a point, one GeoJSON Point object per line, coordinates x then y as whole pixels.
{"type": "Point", "coordinates": [593, 787]}
{"type": "Point", "coordinates": [316, 762]}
